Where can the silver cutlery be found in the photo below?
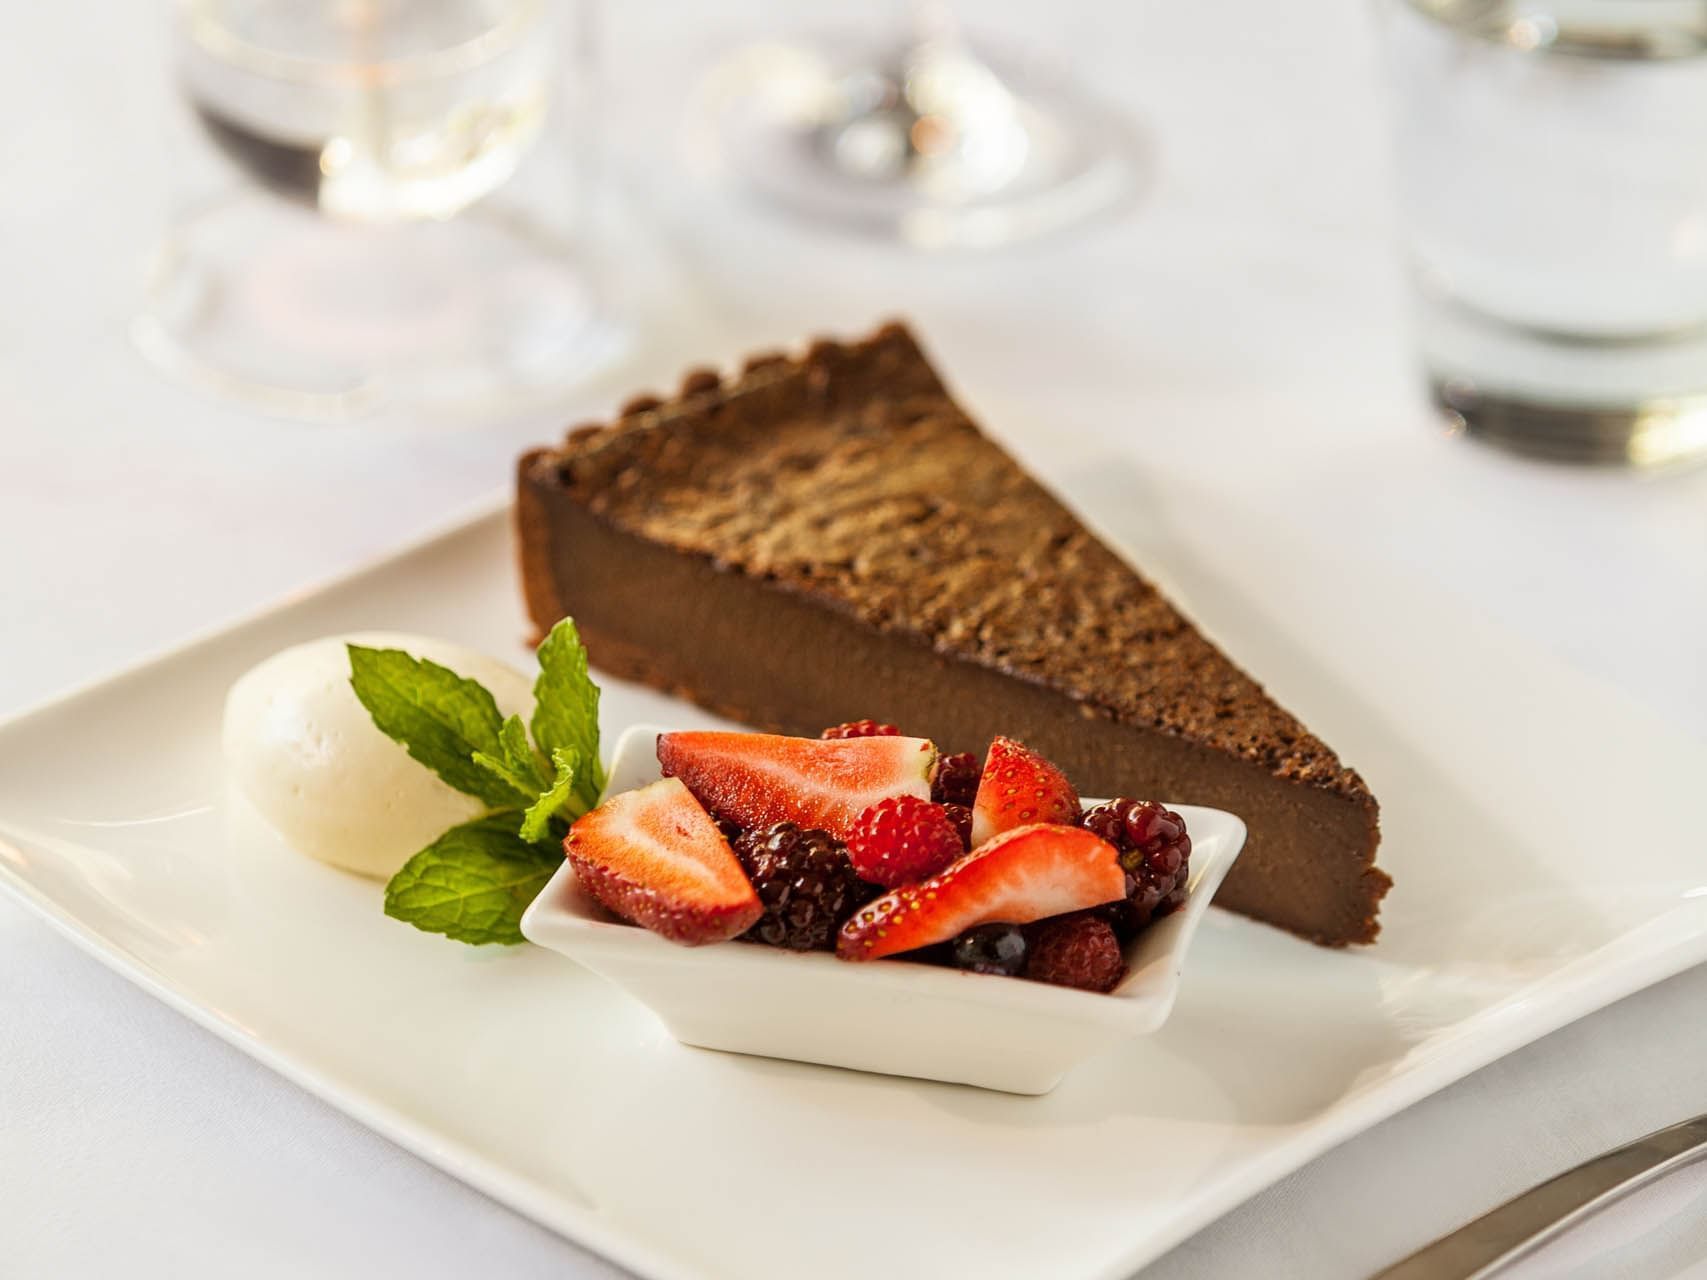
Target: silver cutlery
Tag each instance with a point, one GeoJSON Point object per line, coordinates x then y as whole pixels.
{"type": "Point", "coordinates": [1526, 1222]}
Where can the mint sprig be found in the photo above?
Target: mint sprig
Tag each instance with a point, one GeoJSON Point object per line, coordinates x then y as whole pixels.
{"type": "Point", "coordinates": [473, 883]}
{"type": "Point", "coordinates": [442, 719]}
{"type": "Point", "coordinates": [566, 709]}
{"type": "Point", "coordinates": [556, 800]}
{"type": "Point", "coordinates": [515, 765]}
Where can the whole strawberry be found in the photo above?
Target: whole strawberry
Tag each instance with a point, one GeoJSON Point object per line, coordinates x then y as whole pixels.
{"type": "Point", "coordinates": [902, 840]}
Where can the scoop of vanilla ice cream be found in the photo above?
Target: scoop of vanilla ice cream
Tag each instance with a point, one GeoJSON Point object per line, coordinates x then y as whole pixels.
{"type": "Point", "coordinates": [306, 754]}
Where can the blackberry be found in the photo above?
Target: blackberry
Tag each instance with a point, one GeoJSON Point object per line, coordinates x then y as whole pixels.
{"type": "Point", "coordinates": [1156, 852]}
{"type": "Point", "coordinates": [728, 826]}
{"type": "Point", "coordinates": [806, 882]}
{"type": "Point", "coordinates": [992, 948]}
{"type": "Point", "coordinates": [961, 817]}
{"type": "Point", "coordinates": [1078, 950]}
{"type": "Point", "coordinates": [956, 779]}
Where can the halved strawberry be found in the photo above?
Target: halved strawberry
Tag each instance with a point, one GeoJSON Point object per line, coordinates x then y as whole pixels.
{"type": "Point", "coordinates": [1019, 787]}
{"type": "Point", "coordinates": [654, 856]}
{"type": "Point", "coordinates": [760, 778]}
{"type": "Point", "coordinates": [1028, 873]}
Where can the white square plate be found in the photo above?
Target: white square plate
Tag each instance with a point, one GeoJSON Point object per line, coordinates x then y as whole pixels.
{"type": "Point", "coordinates": [1546, 840]}
{"type": "Point", "coordinates": [892, 1017]}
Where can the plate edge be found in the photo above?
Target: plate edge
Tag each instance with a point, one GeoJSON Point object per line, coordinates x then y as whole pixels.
{"type": "Point", "coordinates": [532, 1200]}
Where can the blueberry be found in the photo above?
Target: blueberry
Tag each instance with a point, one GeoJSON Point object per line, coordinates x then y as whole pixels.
{"type": "Point", "coordinates": [992, 948]}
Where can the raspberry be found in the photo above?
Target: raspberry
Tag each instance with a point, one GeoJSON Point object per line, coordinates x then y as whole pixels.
{"type": "Point", "coordinates": [1156, 852]}
{"type": "Point", "coordinates": [806, 883]}
{"type": "Point", "coordinates": [961, 817]}
{"type": "Point", "coordinates": [956, 779]}
{"type": "Point", "coordinates": [1078, 950]}
{"type": "Point", "coordinates": [903, 839]}
{"type": "Point", "coordinates": [861, 729]}
{"type": "Point", "coordinates": [992, 948]}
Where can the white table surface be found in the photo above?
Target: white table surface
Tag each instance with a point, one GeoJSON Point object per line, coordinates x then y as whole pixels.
{"type": "Point", "coordinates": [1248, 323]}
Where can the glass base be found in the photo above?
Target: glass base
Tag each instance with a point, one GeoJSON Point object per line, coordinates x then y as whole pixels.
{"type": "Point", "coordinates": [1638, 400]}
{"type": "Point", "coordinates": [1652, 434]}
{"type": "Point", "coordinates": [934, 143]}
{"type": "Point", "coordinates": [292, 313]}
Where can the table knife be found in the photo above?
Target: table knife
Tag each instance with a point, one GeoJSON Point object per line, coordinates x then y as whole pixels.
{"type": "Point", "coordinates": [1526, 1222]}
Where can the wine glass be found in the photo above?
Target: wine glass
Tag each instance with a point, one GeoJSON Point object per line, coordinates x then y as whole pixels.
{"type": "Point", "coordinates": [922, 135]}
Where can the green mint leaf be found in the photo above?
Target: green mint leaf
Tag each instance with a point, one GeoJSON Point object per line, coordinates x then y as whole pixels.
{"type": "Point", "coordinates": [559, 800]}
{"type": "Point", "coordinates": [513, 737]}
{"type": "Point", "coordinates": [473, 883]}
{"type": "Point", "coordinates": [566, 709]}
{"type": "Point", "coordinates": [516, 766]}
{"type": "Point", "coordinates": [499, 773]}
{"type": "Point", "coordinates": [441, 718]}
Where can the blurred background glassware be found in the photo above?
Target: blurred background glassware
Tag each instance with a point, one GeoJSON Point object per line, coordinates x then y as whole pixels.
{"type": "Point", "coordinates": [1552, 168]}
{"type": "Point", "coordinates": [376, 205]}
{"type": "Point", "coordinates": [919, 133]}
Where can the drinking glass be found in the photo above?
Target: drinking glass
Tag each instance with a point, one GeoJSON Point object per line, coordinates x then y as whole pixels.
{"type": "Point", "coordinates": [375, 204]}
{"type": "Point", "coordinates": [922, 134]}
{"type": "Point", "coordinates": [1552, 167]}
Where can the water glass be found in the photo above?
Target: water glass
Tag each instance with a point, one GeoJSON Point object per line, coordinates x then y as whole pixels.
{"type": "Point", "coordinates": [1552, 168]}
{"type": "Point", "coordinates": [375, 204]}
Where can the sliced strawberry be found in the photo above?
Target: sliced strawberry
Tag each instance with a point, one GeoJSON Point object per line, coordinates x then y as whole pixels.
{"type": "Point", "coordinates": [654, 856]}
{"type": "Point", "coordinates": [1029, 873]}
{"type": "Point", "coordinates": [1019, 787]}
{"type": "Point", "coordinates": [757, 779]}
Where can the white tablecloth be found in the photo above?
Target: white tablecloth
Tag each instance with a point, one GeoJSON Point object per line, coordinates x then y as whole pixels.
{"type": "Point", "coordinates": [1247, 325]}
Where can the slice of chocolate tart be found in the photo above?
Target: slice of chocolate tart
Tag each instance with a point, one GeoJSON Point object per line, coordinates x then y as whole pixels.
{"type": "Point", "coordinates": [830, 538]}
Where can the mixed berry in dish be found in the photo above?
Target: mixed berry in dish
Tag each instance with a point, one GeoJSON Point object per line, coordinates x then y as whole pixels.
{"type": "Point", "coordinates": [867, 843]}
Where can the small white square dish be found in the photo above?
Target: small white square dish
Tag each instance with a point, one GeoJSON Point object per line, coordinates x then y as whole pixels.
{"type": "Point", "coordinates": [891, 1017]}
